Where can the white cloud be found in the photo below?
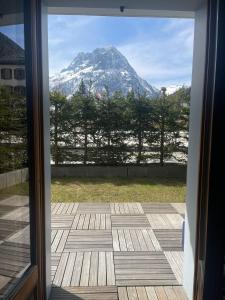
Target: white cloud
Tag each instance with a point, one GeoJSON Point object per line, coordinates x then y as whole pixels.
{"type": "Point", "coordinates": [166, 59]}
{"type": "Point", "coordinates": [65, 35]}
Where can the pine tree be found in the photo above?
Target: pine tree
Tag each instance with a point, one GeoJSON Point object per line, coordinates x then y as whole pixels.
{"type": "Point", "coordinates": [142, 131]}
{"type": "Point", "coordinates": [171, 121]}
{"type": "Point", "coordinates": [112, 149]}
{"type": "Point", "coordinates": [83, 120]}
{"type": "Point", "coordinates": [13, 133]}
{"type": "Point", "coordinates": [59, 134]}
{"type": "Point", "coordinates": [81, 89]}
{"type": "Point", "coordinates": [181, 105]}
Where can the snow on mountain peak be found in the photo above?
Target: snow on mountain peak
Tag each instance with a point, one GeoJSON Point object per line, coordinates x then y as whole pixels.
{"type": "Point", "coordinates": [103, 67]}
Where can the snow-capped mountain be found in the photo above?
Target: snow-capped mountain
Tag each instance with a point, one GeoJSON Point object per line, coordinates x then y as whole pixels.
{"type": "Point", "coordinates": [103, 68]}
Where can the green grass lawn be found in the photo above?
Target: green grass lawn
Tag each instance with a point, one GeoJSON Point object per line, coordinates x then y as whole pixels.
{"type": "Point", "coordinates": [111, 190]}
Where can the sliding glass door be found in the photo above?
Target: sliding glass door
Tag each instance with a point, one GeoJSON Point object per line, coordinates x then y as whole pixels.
{"type": "Point", "coordinates": [15, 254]}
{"type": "Point", "coordinates": [21, 255]}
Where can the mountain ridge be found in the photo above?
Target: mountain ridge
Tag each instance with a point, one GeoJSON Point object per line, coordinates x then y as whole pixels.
{"type": "Point", "coordinates": [103, 68]}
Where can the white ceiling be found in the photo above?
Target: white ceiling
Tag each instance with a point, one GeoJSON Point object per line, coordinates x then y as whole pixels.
{"type": "Point", "coordinates": [157, 8]}
{"type": "Point", "coordinates": [11, 9]}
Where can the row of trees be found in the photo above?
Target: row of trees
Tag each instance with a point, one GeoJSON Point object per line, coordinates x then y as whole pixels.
{"type": "Point", "coordinates": [118, 129]}
{"type": "Point", "coordinates": [109, 130]}
{"type": "Point", "coordinates": [13, 131]}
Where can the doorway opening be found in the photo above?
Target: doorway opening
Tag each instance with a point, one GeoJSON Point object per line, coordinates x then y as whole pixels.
{"type": "Point", "coordinates": [119, 117]}
{"type": "Point", "coordinates": [97, 146]}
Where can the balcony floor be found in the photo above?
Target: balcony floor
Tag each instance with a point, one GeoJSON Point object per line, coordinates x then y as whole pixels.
{"type": "Point", "coordinates": [125, 251]}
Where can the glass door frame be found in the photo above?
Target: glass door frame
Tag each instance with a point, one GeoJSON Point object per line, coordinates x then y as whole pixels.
{"type": "Point", "coordinates": [33, 282]}
{"type": "Point", "coordinates": [209, 265]}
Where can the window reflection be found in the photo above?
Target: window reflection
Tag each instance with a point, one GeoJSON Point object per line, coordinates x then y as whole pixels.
{"type": "Point", "coordinates": [14, 191]}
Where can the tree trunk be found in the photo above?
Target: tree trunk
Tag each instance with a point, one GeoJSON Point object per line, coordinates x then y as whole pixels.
{"type": "Point", "coordinates": [108, 146]}
{"type": "Point", "coordinates": [162, 143]}
{"type": "Point", "coordinates": [85, 143]}
{"type": "Point", "coordinates": [162, 128]}
{"type": "Point", "coordinates": [56, 137]}
{"type": "Point", "coordinates": [139, 148]}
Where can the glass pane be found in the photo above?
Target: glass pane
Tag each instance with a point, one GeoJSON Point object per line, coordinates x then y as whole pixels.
{"type": "Point", "coordinates": [14, 171]}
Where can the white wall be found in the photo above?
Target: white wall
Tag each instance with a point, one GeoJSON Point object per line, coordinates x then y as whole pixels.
{"type": "Point", "coordinates": [194, 149]}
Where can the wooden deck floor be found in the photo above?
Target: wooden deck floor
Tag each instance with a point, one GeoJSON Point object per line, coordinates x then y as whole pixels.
{"type": "Point", "coordinates": [124, 251]}
{"type": "Point", "coordinates": [14, 240]}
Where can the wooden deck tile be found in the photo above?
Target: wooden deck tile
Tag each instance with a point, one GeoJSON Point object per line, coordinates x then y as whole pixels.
{"type": "Point", "coordinates": [75, 280]}
{"type": "Point", "coordinates": [89, 240]}
{"type": "Point", "coordinates": [14, 258]}
{"type": "Point", "coordinates": [56, 240]}
{"type": "Point", "coordinates": [58, 278]}
{"type": "Point", "coordinates": [54, 208]}
{"type": "Point", "coordinates": [94, 208]}
{"type": "Point", "coordinates": [84, 293]}
{"type": "Point", "coordinates": [180, 207]}
{"type": "Point", "coordinates": [92, 221]}
{"type": "Point", "coordinates": [169, 239]}
{"type": "Point", "coordinates": [180, 293]}
{"type": "Point", "coordinates": [5, 209]}
{"type": "Point", "coordinates": [143, 268]}
{"type": "Point", "coordinates": [175, 259]}
{"type": "Point", "coordinates": [8, 228]}
{"type": "Point", "coordinates": [63, 240]}
{"type": "Point", "coordinates": [128, 221]}
{"type": "Point", "coordinates": [22, 236]}
{"type": "Point", "coordinates": [132, 293]}
{"type": "Point", "coordinates": [14, 242]}
{"type": "Point", "coordinates": [122, 293]}
{"type": "Point", "coordinates": [134, 240]}
{"type": "Point", "coordinates": [83, 269]}
{"type": "Point", "coordinates": [55, 258]}
{"type": "Point", "coordinates": [15, 200]}
{"type": "Point", "coordinates": [165, 221]}
{"type": "Point", "coordinates": [158, 208]}
{"type": "Point", "coordinates": [142, 294]}
{"type": "Point", "coordinates": [110, 269]}
{"type": "Point", "coordinates": [61, 221]}
{"type": "Point", "coordinates": [3, 281]}
{"type": "Point", "coordinates": [151, 293]}
{"type": "Point", "coordinates": [59, 208]}
{"type": "Point", "coordinates": [59, 239]}
{"type": "Point", "coordinates": [126, 209]}
{"type": "Point", "coordinates": [64, 208]}
{"type": "Point", "coordinates": [18, 214]}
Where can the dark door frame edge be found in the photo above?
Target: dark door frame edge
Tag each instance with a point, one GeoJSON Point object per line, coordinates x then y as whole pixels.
{"type": "Point", "coordinates": [32, 11]}
{"type": "Point", "coordinates": [26, 285]}
{"type": "Point", "coordinates": [209, 258]}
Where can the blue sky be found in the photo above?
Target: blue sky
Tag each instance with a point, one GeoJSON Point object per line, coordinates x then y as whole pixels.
{"type": "Point", "coordinates": [15, 32]}
{"type": "Point", "coordinates": [160, 50]}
